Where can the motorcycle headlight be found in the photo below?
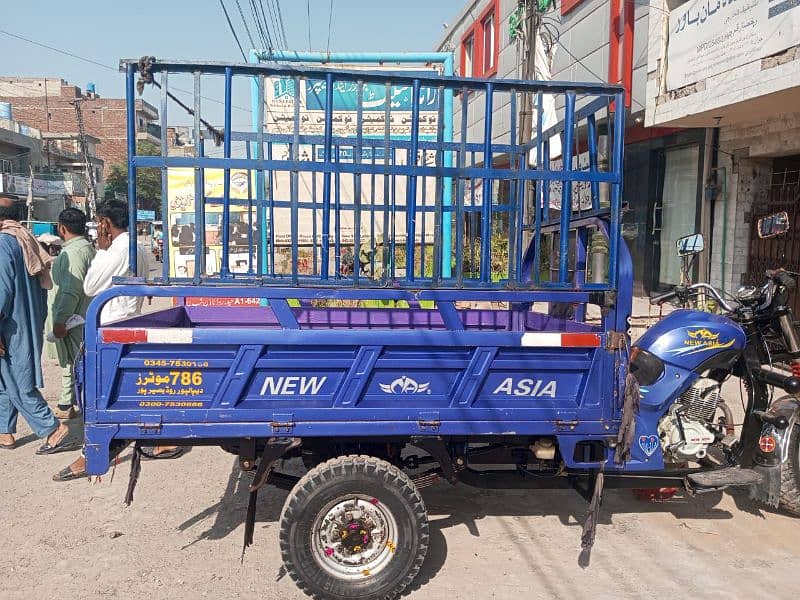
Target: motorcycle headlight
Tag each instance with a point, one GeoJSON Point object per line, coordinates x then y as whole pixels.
{"type": "Point", "coordinates": [748, 294]}
{"type": "Point", "coordinates": [645, 366]}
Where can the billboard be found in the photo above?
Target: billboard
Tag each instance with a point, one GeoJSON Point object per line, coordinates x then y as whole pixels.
{"type": "Point", "coordinates": [708, 37]}
{"type": "Point", "coordinates": [280, 94]}
{"type": "Point", "coordinates": [180, 228]}
{"type": "Point", "coordinates": [180, 222]}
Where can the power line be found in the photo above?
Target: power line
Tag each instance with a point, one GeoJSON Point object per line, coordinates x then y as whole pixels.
{"type": "Point", "coordinates": [54, 49]}
{"type": "Point", "coordinates": [330, 20]}
{"type": "Point", "coordinates": [267, 31]}
{"type": "Point", "coordinates": [244, 22]}
{"type": "Point", "coordinates": [110, 68]}
{"type": "Point", "coordinates": [276, 33]}
{"type": "Point", "coordinates": [233, 31]}
{"type": "Point", "coordinates": [580, 62]}
{"type": "Point", "coordinates": [259, 26]}
{"type": "Point", "coordinates": [308, 12]}
{"type": "Point", "coordinates": [280, 20]}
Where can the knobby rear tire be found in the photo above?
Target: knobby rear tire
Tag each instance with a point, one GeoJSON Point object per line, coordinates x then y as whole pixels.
{"type": "Point", "coordinates": [339, 478]}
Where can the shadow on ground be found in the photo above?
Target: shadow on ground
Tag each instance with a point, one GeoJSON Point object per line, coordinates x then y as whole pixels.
{"type": "Point", "coordinates": [451, 507]}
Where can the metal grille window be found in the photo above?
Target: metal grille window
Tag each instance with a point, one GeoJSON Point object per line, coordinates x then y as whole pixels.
{"type": "Point", "coordinates": [782, 251]}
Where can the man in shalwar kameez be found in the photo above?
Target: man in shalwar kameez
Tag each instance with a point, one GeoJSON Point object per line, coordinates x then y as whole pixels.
{"type": "Point", "coordinates": [68, 299]}
{"type": "Point", "coordinates": [24, 278]}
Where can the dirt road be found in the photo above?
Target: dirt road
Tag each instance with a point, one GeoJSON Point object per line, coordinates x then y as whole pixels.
{"type": "Point", "coordinates": [182, 538]}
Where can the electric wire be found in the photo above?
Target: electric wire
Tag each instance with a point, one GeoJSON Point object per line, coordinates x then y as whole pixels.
{"type": "Point", "coordinates": [110, 68]}
{"type": "Point", "coordinates": [590, 71]}
{"type": "Point", "coordinates": [262, 36]}
{"type": "Point", "coordinates": [233, 31]}
{"type": "Point", "coordinates": [330, 20]}
{"type": "Point", "coordinates": [280, 20]}
{"type": "Point", "coordinates": [54, 49]}
{"type": "Point", "coordinates": [276, 31]}
{"type": "Point", "coordinates": [267, 31]}
{"type": "Point", "coordinates": [308, 13]}
{"type": "Point", "coordinates": [246, 27]}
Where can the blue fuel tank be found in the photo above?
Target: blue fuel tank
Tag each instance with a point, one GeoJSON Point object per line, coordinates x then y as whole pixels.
{"type": "Point", "coordinates": [688, 338]}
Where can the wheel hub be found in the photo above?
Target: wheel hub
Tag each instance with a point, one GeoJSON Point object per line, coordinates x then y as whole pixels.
{"type": "Point", "coordinates": [354, 537]}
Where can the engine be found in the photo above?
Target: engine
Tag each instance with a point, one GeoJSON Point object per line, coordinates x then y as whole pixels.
{"type": "Point", "coordinates": [684, 431]}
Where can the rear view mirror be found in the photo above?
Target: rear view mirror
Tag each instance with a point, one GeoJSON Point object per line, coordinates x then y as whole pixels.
{"type": "Point", "coordinates": [773, 225]}
{"type": "Point", "coordinates": [690, 244]}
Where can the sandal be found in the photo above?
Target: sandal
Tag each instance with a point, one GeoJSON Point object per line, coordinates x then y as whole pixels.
{"type": "Point", "coordinates": [46, 448]}
{"type": "Point", "coordinates": [66, 474]}
{"type": "Point", "coordinates": [60, 446]}
{"type": "Point", "coordinates": [148, 453]}
{"type": "Point", "coordinates": [8, 446]}
{"type": "Point", "coordinates": [65, 413]}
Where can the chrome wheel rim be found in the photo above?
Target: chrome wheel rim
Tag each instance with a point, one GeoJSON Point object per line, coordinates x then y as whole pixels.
{"type": "Point", "coordinates": [354, 537]}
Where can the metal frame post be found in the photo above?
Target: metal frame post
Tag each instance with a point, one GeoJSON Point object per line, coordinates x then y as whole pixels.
{"type": "Point", "coordinates": [130, 110]}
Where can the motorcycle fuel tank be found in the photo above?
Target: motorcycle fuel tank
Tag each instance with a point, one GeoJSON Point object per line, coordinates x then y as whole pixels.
{"type": "Point", "coordinates": [688, 338]}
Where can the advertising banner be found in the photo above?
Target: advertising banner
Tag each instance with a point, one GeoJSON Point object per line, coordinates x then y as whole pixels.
{"type": "Point", "coordinates": [180, 230]}
{"type": "Point", "coordinates": [15, 184]}
{"type": "Point", "coordinates": [708, 37]}
{"type": "Point", "coordinates": [280, 94]}
{"type": "Point", "coordinates": [376, 210]}
{"type": "Point", "coordinates": [180, 227]}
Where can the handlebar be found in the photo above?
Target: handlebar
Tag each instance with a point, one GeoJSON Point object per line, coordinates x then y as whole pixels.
{"type": "Point", "coordinates": [683, 291]}
{"type": "Point", "coordinates": [715, 294]}
{"type": "Point", "coordinates": [661, 298]}
{"type": "Point", "coordinates": [787, 279]}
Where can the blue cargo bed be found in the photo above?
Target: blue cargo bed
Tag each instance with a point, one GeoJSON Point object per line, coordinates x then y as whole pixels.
{"type": "Point", "coordinates": [221, 372]}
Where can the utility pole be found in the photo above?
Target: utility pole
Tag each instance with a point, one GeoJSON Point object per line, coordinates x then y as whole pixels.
{"type": "Point", "coordinates": [91, 185]}
{"type": "Point", "coordinates": [29, 201]}
{"type": "Point", "coordinates": [47, 117]}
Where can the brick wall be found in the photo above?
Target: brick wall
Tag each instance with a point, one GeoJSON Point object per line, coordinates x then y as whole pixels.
{"type": "Point", "coordinates": [104, 118]}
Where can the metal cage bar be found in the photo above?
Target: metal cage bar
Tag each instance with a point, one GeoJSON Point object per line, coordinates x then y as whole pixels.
{"type": "Point", "coordinates": [416, 199]}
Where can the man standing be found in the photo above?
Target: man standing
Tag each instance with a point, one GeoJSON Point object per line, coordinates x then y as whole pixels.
{"type": "Point", "coordinates": [68, 298]}
{"type": "Point", "coordinates": [24, 277]}
{"type": "Point", "coordinates": [109, 262]}
{"type": "Point", "coordinates": [112, 261]}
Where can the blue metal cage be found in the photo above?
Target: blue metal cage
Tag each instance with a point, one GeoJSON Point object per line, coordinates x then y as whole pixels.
{"type": "Point", "coordinates": [367, 209]}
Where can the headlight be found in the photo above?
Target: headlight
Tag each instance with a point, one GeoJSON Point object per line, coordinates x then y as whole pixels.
{"type": "Point", "coordinates": [646, 367]}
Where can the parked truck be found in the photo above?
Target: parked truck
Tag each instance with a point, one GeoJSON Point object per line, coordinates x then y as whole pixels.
{"type": "Point", "coordinates": [482, 341]}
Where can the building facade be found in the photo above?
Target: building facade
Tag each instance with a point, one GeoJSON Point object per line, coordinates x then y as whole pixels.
{"type": "Point", "coordinates": [607, 41]}
{"type": "Point", "coordinates": [49, 167]}
{"type": "Point", "coordinates": [48, 104]}
{"type": "Point", "coordinates": [734, 69]}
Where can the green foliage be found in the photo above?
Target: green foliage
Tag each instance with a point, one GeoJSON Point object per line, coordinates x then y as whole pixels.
{"type": "Point", "coordinates": [148, 181]}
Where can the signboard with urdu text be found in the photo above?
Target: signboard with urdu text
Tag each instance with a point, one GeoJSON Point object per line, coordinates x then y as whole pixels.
{"type": "Point", "coordinates": [708, 37]}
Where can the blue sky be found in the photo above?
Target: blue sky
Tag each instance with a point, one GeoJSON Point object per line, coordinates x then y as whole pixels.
{"type": "Point", "coordinates": [107, 30]}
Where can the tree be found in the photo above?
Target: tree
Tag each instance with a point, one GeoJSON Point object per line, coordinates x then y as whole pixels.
{"type": "Point", "coordinates": [148, 180]}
